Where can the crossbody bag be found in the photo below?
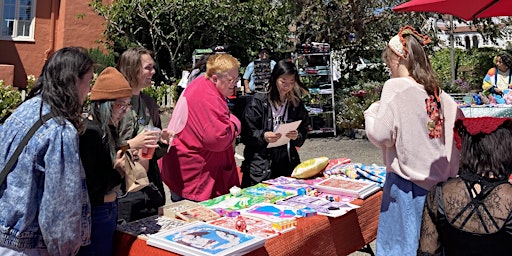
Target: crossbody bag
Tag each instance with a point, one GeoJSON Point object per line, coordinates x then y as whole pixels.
{"type": "Point", "coordinates": [14, 158]}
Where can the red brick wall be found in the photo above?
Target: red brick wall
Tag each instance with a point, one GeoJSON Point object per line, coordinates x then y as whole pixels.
{"type": "Point", "coordinates": [28, 57]}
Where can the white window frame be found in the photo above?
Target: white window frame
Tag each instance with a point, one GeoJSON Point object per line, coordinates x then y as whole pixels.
{"type": "Point", "coordinates": [16, 22]}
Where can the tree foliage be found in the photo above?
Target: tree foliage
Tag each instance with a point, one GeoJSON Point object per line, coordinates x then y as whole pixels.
{"type": "Point", "coordinates": [173, 29]}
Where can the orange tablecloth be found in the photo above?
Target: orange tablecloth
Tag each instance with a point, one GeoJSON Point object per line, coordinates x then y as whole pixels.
{"type": "Point", "coordinates": [318, 235]}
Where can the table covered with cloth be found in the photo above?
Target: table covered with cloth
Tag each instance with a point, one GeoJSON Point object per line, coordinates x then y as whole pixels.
{"type": "Point", "coordinates": [487, 110]}
{"type": "Point", "coordinates": [317, 235]}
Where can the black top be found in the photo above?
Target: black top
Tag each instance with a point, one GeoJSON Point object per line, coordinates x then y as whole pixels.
{"type": "Point", "coordinates": [281, 161]}
{"type": "Point", "coordinates": [467, 215]}
{"type": "Point", "coordinates": [99, 167]}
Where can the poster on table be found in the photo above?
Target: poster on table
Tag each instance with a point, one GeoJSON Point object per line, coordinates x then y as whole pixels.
{"type": "Point", "coordinates": [350, 187]}
{"type": "Point", "coordinates": [203, 239]}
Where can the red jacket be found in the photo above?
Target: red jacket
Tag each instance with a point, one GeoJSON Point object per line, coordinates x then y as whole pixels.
{"type": "Point", "coordinates": [200, 164]}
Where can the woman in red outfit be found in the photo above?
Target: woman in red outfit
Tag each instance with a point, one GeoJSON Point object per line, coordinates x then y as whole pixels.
{"type": "Point", "coordinates": [200, 163]}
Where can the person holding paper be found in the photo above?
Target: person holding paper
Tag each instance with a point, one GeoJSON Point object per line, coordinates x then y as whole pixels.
{"type": "Point", "coordinates": [260, 123]}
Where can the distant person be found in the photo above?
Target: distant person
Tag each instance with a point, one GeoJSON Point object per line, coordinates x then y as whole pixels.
{"type": "Point", "coordinates": [257, 72]}
{"type": "Point", "coordinates": [104, 165]}
{"type": "Point", "coordinates": [199, 68]}
{"type": "Point", "coordinates": [262, 115]}
{"type": "Point", "coordinates": [44, 206]}
{"type": "Point", "coordinates": [499, 79]}
{"type": "Point", "coordinates": [200, 164]}
{"type": "Point", "coordinates": [472, 214]}
{"type": "Point", "coordinates": [138, 66]}
{"type": "Point", "coordinates": [413, 126]}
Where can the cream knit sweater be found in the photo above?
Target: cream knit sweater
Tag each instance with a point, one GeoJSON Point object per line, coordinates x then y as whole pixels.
{"type": "Point", "coordinates": [398, 125]}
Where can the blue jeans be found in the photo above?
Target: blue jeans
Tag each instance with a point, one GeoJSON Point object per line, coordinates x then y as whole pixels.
{"type": "Point", "coordinates": [400, 217]}
{"type": "Point", "coordinates": [104, 221]}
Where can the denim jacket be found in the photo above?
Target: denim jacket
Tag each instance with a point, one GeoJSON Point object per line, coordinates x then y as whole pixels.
{"type": "Point", "coordinates": [43, 201]}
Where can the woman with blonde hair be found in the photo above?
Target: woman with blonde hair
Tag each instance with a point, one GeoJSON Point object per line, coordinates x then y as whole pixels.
{"type": "Point", "coordinates": [201, 161]}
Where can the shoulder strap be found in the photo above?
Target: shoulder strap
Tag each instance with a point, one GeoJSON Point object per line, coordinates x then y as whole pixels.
{"type": "Point", "coordinates": [14, 158]}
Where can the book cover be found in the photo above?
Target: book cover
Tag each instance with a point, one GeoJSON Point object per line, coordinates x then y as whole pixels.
{"type": "Point", "coordinates": [292, 182]}
{"type": "Point", "coordinates": [346, 186]}
{"type": "Point", "coordinates": [150, 225]}
{"type": "Point", "coordinates": [272, 212]}
{"type": "Point", "coordinates": [204, 239]}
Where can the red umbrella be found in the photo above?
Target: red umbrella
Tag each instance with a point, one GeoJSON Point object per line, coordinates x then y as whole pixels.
{"type": "Point", "coordinates": [465, 9]}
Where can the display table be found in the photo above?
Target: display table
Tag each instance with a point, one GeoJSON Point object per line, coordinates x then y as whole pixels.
{"type": "Point", "coordinates": [495, 111]}
{"type": "Point", "coordinates": [318, 235]}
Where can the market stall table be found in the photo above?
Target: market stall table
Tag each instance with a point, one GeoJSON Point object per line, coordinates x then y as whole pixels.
{"type": "Point", "coordinates": [317, 235]}
{"type": "Point", "coordinates": [483, 110]}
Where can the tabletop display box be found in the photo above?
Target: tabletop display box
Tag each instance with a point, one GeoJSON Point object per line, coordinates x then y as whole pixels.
{"type": "Point", "coordinates": [150, 225]}
{"type": "Point", "coordinates": [346, 186]}
{"type": "Point", "coordinates": [248, 196]}
{"type": "Point", "coordinates": [204, 239]}
{"type": "Point", "coordinates": [188, 211]}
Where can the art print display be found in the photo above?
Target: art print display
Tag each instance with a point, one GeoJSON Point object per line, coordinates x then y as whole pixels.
{"type": "Point", "coordinates": [188, 211]}
{"type": "Point", "coordinates": [250, 225]}
{"type": "Point", "coordinates": [204, 239]}
{"type": "Point", "coordinates": [272, 212]}
{"type": "Point", "coordinates": [292, 183]}
{"type": "Point", "coordinates": [248, 196]}
{"type": "Point", "coordinates": [346, 186]}
{"type": "Point", "coordinates": [321, 205]}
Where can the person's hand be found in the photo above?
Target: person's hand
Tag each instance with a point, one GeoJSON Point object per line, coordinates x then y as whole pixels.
{"type": "Point", "coordinates": [166, 136]}
{"type": "Point", "coordinates": [497, 90]}
{"type": "Point", "coordinates": [292, 135]}
{"type": "Point", "coordinates": [271, 137]}
{"type": "Point", "coordinates": [119, 163]}
{"type": "Point", "coordinates": [145, 139]}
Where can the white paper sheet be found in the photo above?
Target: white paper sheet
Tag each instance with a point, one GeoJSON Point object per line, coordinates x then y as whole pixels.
{"type": "Point", "coordinates": [283, 129]}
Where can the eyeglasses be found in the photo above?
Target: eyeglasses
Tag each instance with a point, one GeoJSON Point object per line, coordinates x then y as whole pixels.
{"type": "Point", "coordinates": [232, 80]}
{"type": "Point", "coordinates": [122, 106]}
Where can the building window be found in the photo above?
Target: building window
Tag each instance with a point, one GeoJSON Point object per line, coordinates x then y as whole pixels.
{"type": "Point", "coordinates": [17, 18]}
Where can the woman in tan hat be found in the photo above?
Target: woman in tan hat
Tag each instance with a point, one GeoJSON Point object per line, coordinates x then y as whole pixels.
{"type": "Point", "coordinates": [104, 166]}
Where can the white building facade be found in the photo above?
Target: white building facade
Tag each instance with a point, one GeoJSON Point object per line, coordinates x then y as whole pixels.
{"type": "Point", "coordinates": [467, 37]}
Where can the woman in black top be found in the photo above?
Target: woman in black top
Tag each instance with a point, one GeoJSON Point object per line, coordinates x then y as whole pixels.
{"type": "Point", "coordinates": [472, 213]}
{"type": "Point", "coordinates": [104, 166]}
{"type": "Point", "coordinates": [263, 114]}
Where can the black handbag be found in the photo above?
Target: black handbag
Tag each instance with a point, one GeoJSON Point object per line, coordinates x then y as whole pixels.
{"type": "Point", "coordinates": [14, 158]}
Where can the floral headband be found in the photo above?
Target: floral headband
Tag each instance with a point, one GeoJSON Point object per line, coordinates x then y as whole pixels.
{"type": "Point", "coordinates": [478, 125]}
{"type": "Point", "coordinates": [397, 43]}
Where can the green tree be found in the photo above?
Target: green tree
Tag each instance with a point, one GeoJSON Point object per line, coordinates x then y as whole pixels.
{"type": "Point", "coordinates": [173, 29]}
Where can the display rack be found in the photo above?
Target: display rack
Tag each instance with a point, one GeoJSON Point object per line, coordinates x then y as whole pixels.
{"type": "Point", "coordinates": [315, 68]}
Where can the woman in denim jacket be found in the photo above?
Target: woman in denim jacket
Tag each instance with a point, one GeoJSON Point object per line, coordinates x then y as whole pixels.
{"type": "Point", "coordinates": [44, 206]}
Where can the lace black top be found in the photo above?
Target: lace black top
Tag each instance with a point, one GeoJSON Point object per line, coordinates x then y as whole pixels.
{"type": "Point", "coordinates": [467, 215]}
